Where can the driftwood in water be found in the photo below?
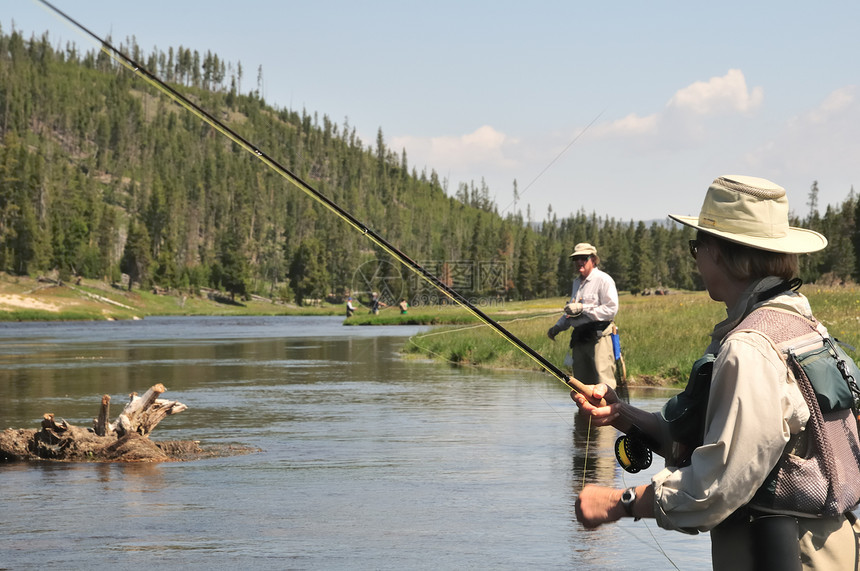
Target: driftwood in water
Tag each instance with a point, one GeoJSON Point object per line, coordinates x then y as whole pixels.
{"type": "Point", "coordinates": [125, 439]}
{"type": "Point", "coordinates": [142, 414]}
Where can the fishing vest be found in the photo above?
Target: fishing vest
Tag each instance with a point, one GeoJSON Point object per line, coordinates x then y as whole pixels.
{"type": "Point", "coordinates": [818, 473]}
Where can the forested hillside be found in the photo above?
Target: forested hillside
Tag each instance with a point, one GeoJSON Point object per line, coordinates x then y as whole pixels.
{"type": "Point", "coordinates": [101, 176]}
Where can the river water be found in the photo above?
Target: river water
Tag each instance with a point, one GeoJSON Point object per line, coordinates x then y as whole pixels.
{"type": "Point", "coordinates": [365, 461]}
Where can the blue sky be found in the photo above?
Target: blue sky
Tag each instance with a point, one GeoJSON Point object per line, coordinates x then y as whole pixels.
{"type": "Point", "coordinates": [625, 109]}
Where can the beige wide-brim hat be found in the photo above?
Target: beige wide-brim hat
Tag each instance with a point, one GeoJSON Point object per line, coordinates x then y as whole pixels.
{"type": "Point", "coordinates": [754, 212]}
{"type": "Point", "coordinates": [583, 249]}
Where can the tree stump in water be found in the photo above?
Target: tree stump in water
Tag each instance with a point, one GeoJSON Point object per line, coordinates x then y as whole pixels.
{"type": "Point", "coordinates": [124, 440]}
{"type": "Point", "coordinates": [142, 414]}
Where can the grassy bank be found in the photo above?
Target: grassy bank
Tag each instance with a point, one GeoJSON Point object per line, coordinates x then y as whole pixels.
{"type": "Point", "coordinates": [453, 314]}
{"type": "Point", "coordinates": [28, 299]}
{"type": "Point", "coordinates": [661, 336]}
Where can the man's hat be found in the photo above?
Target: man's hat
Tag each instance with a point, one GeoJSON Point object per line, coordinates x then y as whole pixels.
{"type": "Point", "coordinates": [754, 212]}
{"type": "Point", "coordinates": [584, 249]}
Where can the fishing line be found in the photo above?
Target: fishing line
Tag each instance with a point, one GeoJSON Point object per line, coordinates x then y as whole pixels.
{"type": "Point", "coordinates": [154, 81]}
{"type": "Point", "coordinates": [457, 330]}
{"type": "Point", "coordinates": [444, 359]}
{"type": "Point", "coordinates": [656, 543]}
{"type": "Point", "coordinates": [552, 162]}
{"type": "Point", "coordinates": [587, 446]}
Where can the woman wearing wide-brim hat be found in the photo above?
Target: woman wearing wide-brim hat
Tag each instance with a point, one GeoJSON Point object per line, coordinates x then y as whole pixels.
{"type": "Point", "coordinates": [753, 413]}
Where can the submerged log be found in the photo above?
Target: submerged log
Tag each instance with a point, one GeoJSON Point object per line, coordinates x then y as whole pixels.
{"type": "Point", "coordinates": [124, 440]}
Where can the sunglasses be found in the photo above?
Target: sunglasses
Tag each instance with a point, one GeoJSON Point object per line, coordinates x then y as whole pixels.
{"type": "Point", "coordinates": [694, 248]}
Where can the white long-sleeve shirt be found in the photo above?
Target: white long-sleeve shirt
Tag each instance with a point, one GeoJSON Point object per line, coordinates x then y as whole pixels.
{"type": "Point", "coordinates": [598, 296]}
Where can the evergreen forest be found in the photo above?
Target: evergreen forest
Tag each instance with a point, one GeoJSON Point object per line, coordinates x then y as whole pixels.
{"type": "Point", "coordinates": [103, 177]}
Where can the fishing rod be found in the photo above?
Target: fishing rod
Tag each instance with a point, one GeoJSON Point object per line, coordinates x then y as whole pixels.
{"type": "Point", "coordinates": [184, 102]}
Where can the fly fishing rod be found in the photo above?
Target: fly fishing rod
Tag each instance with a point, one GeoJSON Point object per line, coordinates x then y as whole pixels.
{"type": "Point", "coordinates": [184, 102]}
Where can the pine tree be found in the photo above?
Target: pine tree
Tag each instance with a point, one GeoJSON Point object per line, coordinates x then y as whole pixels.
{"type": "Point", "coordinates": [137, 257]}
{"type": "Point", "coordinates": [642, 269]}
{"type": "Point", "coordinates": [839, 257]}
{"type": "Point", "coordinates": [527, 268]}
{"type": "Point", "coordinates": [233, 265]}
{"type": "Point", "coordinates": [309, 278]}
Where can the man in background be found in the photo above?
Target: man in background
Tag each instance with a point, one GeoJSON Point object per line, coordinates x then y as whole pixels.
{"type": "Point", "coordinates": [590, 312]}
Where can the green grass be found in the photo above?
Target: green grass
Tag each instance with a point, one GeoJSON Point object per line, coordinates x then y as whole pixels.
{"type": "Point", "coordinates": [42, 315]}
{"type": "Point", "coordinates": [839, 310]}
{"type": "Point", "coordinates": [661, 336]}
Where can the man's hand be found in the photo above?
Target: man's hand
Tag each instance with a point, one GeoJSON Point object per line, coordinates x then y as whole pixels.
{"type": "Point", "coordinates": [573, 309]}
{"type": "Point", "coordinates": [553, 331]}
{"type": "Point", "coordinates": [602, 404]}
{"type": "Point", "coordinates": [597, 505]}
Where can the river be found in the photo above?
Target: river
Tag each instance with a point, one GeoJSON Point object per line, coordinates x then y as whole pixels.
{"type": "Point", "coordinates": [366, 460]}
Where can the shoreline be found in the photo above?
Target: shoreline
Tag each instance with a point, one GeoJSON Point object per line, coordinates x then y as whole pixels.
{"type": "Point", "coordinates": [661, 336]}
{"type": "Point", "coordinates": [23, 298]}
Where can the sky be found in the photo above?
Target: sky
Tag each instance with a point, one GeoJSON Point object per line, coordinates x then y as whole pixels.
{"type": "Point", "coordinates": [623, 109]}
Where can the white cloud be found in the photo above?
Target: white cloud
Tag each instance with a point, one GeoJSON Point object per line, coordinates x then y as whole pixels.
{"type": "Point", "coordinates": [726, 94]}
{"type": "Point", "coordinates": [834, 105]}
{"type": "Point", "coordinates": [684, 117]}
{"type": "Point", "coordinates": [632, 124]}
{"type": "Point", "coordinates": [679, 123]}
{"type": "Point", "coordinates": [819, 144]}
{"type": "Point", "coordinates": [822, 140]}
{"type": "Point", "coordinates": [708, 117]}
{"type": "Point", "coordinates": [483, 147]}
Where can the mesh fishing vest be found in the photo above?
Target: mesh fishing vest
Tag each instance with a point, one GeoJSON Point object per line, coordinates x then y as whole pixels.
{"type": "Point", "coordinates": [818, 473]}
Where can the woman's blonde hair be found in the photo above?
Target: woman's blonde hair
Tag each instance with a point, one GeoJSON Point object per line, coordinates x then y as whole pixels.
{"type": "Point", "coordinates": [746, 263]}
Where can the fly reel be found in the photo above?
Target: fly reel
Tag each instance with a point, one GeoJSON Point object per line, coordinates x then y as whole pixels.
{"type": "Point", "coordinates": [632, 452]}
